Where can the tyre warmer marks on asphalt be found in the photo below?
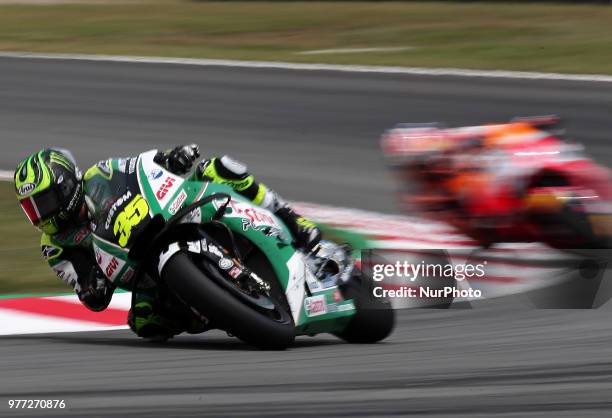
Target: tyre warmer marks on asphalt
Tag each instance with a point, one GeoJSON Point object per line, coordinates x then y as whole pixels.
{"type": "Point", "coordinates": [393, 233]}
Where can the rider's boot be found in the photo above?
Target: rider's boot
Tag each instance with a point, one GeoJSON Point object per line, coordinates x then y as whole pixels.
{"type": "Point", "coordinates": [145, 323]}
{"type": "Point", "coordinates": [305, 233]}
{"type": "Point", "coordinates": [151, 318]}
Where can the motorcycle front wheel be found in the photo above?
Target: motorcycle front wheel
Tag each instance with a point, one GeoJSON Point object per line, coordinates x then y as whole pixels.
{"type": "Point", "coordinates": [375, 318]}
{"type": "Point", "coordinates": [271, 329]}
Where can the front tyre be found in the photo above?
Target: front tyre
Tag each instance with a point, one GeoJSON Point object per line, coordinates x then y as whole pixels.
{"type": "Point", "coordinates": [375, 318]}
{"type": "Point", "coordinates": [226, 311]}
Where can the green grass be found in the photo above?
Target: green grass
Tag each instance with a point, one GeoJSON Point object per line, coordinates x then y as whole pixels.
{"type": "Point", "coordinates": [539, 37]}
{"type": "Point", "coordinates": [23, 269]}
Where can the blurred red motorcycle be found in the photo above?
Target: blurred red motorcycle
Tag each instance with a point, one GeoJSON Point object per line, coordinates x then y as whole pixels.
{"type": "Point", "coordinates": [512, 182]}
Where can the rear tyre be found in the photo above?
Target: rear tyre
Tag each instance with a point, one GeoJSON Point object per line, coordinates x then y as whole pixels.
{"type": "Point", "coordinates": [374, 320]}
{"type": "Point", "coordinates": [272, 330]}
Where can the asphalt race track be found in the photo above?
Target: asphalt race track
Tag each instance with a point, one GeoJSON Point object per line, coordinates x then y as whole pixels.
{"type": "Point", "coordinates": [314, 137]}
{"type": "Point", "coordinates": [311, 135]}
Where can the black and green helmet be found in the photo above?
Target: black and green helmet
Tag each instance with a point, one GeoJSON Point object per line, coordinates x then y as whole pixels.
{"type": "Point", "coordinates": [49, 189]}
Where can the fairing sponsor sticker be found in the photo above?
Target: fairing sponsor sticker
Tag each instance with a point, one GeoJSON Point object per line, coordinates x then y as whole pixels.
{"type": "Point", "coordinates": [165, 188]}
{"type": "Point", "coordinates": [155, 174]}
{"type": "Point", "coordinates": [177, 203]}
{"type": "Point", "coordinates": [163, 183]}
{"type": "Point", "coordinates": [109, 264]}
{"type": "Point", "coordinates": [315, 305]}
{"type": "Point", "coordinates": [253, 217]}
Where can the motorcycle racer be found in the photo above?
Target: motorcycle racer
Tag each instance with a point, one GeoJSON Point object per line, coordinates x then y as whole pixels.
{"type": "Point", "coordinates": [509, 182]}
{"type": "Point", "coordinates": [59, 201]}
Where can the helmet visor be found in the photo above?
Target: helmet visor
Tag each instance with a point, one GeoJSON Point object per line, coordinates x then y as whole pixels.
{"type": "Point", "coordinates": [41, 206]}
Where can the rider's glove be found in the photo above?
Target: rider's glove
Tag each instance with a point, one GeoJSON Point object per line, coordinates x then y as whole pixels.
{"type": "Point", "coordinates": [95, 291]}
{"type": "Point", "coordinates": [180, 159]}
{"type": "Point", "coordinates": [305, 233]}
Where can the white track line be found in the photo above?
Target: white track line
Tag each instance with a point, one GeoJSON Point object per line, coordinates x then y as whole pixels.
{"type": "Point", "coordinates": [355, 50]}
{"type": "Point", "coordinates": [525, 75]}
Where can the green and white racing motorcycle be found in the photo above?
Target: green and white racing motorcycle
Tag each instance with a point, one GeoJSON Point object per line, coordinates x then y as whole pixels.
{"type": "Point", "coordinates": [229, 262]}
